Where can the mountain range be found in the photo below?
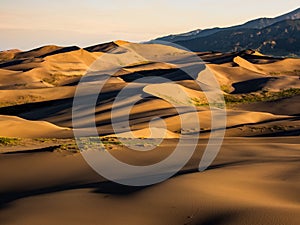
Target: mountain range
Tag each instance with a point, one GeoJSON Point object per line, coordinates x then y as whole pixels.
{"type": "Point", "coordinates": [274, 36]}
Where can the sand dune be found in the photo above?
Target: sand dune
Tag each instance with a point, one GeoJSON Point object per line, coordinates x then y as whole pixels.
{"type": "Point", "coordinates": [106, 47]}
{"type": "Point", "coordinates": [53, 70]}
{"type": "Point", "coordinates": [38, 52]}
{"type": "Point", "coordinates": [283, 67]}
{"type": "Point", "coordinates": [17, 127]}
{"type": "Point", "coordinates": [232, 74]}
{"type": "Point", "coordinates": [8, 55]}
{"type": "Point", "coordinates": [147, 133]}
{"type": "Point", "coordinates": [253, 180]}
{"type": "Point", "coordinates": [282, 82]}
{"type": "Point", "coordinates": [247, 65]}
{"type": "Point", "coordinates": [21, 80]}
{"type": "Point", "coordinates": [173, 93]}
{"type": "Point", "coordinates": [283, 106]}
{"type": "Point", "coordinates": [19, 96]}
{"type": "Point", "coordinates": [262, 77]}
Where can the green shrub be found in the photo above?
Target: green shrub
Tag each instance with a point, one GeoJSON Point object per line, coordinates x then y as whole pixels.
{"type": "Point", "coordinates": [8, 141]}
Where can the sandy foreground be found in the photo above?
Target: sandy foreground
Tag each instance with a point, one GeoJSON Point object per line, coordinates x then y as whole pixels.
{"type": "Point", "coordinates": [254, 180]}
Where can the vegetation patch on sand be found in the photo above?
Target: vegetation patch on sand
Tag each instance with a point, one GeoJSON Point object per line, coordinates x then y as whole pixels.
{"type": "Point", "coordinates": [57, 79]}
{"type": "Point", "coordinates": [94, 143]}
{"type": "Point", "coordinates": [9, 141]}
{"type": "Point", "coordinates": [20, 100]}
{"type": "Point", "coordinates": [263, 96]}
{"type": "Point", "coordinates": [290, 73]}
{"type": "Point", "coordinates": [110, 143]}
{"type": "Point", "coordinates": [70, 147]}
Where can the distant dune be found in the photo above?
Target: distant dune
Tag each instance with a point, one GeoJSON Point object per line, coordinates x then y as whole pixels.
{"type": "Point", "coordinates": [39, 84]}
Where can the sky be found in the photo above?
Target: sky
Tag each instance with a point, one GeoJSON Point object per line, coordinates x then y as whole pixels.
{"type": "Point", "coordinates": [33, 23]}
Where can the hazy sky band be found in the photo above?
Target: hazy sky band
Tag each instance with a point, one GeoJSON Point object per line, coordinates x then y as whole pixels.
{"type": "Point", "coordinates": [31, 23]}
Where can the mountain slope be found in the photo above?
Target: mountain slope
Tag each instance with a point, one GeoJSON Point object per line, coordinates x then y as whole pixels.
{"type": "Point", "coordinates": [253, 24]}
{"type": "Point", "coordinates": [280, 39]}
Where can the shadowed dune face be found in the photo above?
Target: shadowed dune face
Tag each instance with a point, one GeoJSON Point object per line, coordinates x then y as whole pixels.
{"type": "Point", "coordinates": [254, 179]}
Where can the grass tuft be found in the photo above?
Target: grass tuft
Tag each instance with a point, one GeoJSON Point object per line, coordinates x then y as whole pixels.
{"type": "Point", "coordinates": [9, 141]}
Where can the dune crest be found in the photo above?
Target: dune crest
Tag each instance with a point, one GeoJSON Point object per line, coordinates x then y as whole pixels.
{"type": "Point", "coordinates": [247, 65]}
